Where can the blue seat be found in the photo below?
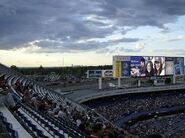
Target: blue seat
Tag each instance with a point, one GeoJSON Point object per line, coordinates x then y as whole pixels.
{"type": "Point", "coordinates": [43, 136]}
{"type": "Point", "coordinates": [1, 114]}
{"type": "Point", "coordinates": [57, 133]}
{"type": "Point", "coordinates": [33, 127]}
{"type": "Point", "coordinates": [39, 133]}
{"type": "Point", "coordinates": [13, 133]}
{"type": "Point", "coordinates": [9, 127]}
{"type": "Point", "coordinates": [28, 122]}
{"type": "Point", "coordinates": [23, 117]}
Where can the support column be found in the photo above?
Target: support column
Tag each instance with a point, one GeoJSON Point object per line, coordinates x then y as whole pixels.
{"type": "Point", "coordinates": [100, 83]}
{"type": "Point", "coordinates": [174, 79]}
{"type": "Point", "coordinates": [139, 83]}
{"type": "Point", "coordinates": [119, 82]}
{"type": "Point", "coordinates": [155, 82]}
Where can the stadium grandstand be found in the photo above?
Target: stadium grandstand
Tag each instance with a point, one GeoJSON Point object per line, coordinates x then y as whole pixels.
{"type": "Point", "coordinates": [29, 109]}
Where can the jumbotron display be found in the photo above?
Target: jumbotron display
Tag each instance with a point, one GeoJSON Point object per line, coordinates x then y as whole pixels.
{"type": "Point", "coordinates": [147, 66]}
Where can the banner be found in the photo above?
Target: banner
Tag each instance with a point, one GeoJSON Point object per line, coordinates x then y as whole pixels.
{"type": "Point", "coordinates": [94, 73]}
{"type": "Point", "coordinates": [125, 69]}
{"type": "Point", "coordinates": [135, 66]}
{"type": "Point", "coordinates": [179, 65]}
{"type": "Point", "coordinates": [118, 69]}
{"type": "Point", "coordinates": [107, 73]}
{"type": "Point", "coordinates": [169, 67]}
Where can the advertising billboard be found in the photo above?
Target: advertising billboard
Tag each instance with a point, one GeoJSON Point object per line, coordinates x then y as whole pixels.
{"type": "Point", "coordinates": [94, 73]}
{"type": "Point", "coordinates": [135, 66]}
{"type": "Point", "coordinates": [169, 61]}
{"type": "Point", "coordinates": [107, 73]}
{"type": "Point", "coordinates": [178, 65]}
{"type": "Point", "coordinates": [99, 73]}
{"type": "Point", "coordinates": [121, 66]}
{"type": "Point", "coordinates": [149, 67]}
{"type": "Point", "coordinates": [118, 69]}
{"type": "Point", "coordinates": [125, 69]}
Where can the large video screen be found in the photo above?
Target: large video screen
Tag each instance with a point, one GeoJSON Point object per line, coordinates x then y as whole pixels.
{"type": "Point", "coordinates": [147, 66]}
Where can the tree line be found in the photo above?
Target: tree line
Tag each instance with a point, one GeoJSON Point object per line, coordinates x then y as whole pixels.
{"type": "Point", "coordinates": [77, 71]}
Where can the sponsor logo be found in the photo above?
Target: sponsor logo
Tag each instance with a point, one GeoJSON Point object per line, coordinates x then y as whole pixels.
{"type": "Point", "coordinates": [108, 73]}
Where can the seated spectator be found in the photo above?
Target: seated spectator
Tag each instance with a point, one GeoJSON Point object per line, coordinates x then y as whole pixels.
{"type": "Point", "coordinates": [33, 99]}
{"type": "Point", "coordinates": [154, 136]}
{"type": "Point", "coordinates": [62, 113]}
{"type": "Point", "coordinates": [97, 131]}
{"type": "Point", "coordinates": [27, 96]}
{"type": "Point", "coordinates": [6, 96]}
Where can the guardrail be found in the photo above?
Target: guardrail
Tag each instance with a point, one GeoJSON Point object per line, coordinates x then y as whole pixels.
{"type": "Point", "coordinates": [128, 91]}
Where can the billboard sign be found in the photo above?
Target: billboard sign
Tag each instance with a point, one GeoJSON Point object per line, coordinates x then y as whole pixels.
{"type": "Point", "coordinates": [159, 66]}
{"type": "Point", "coordinates": [179, 65]}
{"type": "Point", "coordinates": [169, 61]}
{"type": "Point", "coordinates": [135, 67]}
{"type": "Point", "coordinates": [107, 73]}
{"type": "Point", "coordinates": [125, 69]}
{"type": "Point", "coordinates": [94, 73]}
{"type": "Point", "coordinates": [99, 73]}
{"type": "Point", "coordinates": [148, 67]}
{"type": "Point", "coordinates": [118, 69]}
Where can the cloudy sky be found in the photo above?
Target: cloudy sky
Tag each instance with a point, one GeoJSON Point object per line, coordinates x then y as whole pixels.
{"type": "Point", "coordinates": [88, 32]}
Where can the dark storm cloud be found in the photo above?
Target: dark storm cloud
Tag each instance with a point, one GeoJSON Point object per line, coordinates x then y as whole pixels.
{"type": "Point", "coordinates": [143, 12]}
{"type": "Point", "coordinates": [67, 22]}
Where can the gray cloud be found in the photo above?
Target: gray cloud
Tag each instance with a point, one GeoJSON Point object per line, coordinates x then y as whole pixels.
{"type": "Point", "coordinates": [178, 38]}
{"type": "Point", "coordinates": [139, 13]}
{"type": "Point", "coordinates": [138, 48]}
{"type": "Point", "coordinates": [129, 50]}
{"type": "Point", "coordinates": [170, 52]}
{"type": "Point", "coordinates": [52, 46]}
{"type": "Point", "coordinates": [68, 22]}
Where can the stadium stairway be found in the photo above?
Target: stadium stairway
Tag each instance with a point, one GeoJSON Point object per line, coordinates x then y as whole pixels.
{"type": "Point", "coordinates": [58, 123]}
{"type": "Point", "coordinates": [48, 125]}
{"type": "Point", "coordinates": [12, 125]}
{"type": "Point", "coordinates": [34, 128]}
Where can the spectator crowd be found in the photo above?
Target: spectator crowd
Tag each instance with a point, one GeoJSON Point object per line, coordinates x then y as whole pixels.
{"type": "Point", "coordinates": [87, 121]}
{"type": "Point", "coordinates": [119, 107]}
{"type": "Point", "coordinates": [92, 124]}
{"type": "Point", "coordinates": [169, 127]}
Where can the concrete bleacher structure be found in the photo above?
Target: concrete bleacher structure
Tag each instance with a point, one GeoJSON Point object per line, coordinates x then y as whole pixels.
{"type": "Point", "coordinates": [37, 124]}
{"type": "Point", "coordinates": [19, 131]}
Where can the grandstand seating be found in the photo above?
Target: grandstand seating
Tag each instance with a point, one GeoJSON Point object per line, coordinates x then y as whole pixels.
{"type": "Point", "coordinates": [12, 125]}
{"type": "Point", "coordinates": [44, 125]}
{"type": "Point", "coordinates": [38, 123]}
{"type": "Point", "coordinates": [8, 125]}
